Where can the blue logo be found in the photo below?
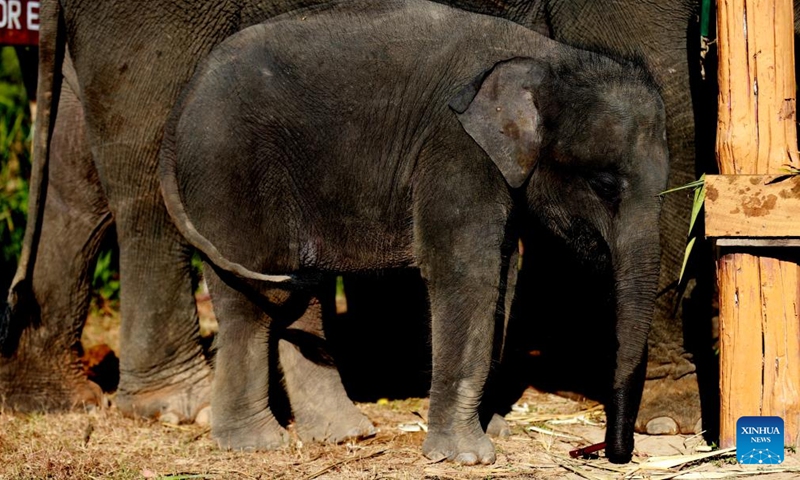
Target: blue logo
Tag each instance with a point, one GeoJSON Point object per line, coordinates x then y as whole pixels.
{"type": "Point", "coordinates": [759, 440]}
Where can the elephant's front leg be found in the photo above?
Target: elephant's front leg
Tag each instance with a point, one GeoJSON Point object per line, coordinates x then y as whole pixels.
{"type": "Point", "coordinates": [464, 258]}
{"type": "Point", "coordinates": [465, 300]}
{"type": "Point", "coordinates": [242, 418]}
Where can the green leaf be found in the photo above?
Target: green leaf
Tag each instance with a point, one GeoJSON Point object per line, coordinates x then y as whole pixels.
{"type": "Point", "coordinates": [699, 199]}
{"type": "Point", "coordinates": [694, 184]}
{"type": "Point", "coordinates": [791, 169]}
{"type": "Point", "coordinates": [697, 205]}
{"type": "Point", "coordinates": [686, 254]}
{"type": "Point", "coordinates": [340, 286]}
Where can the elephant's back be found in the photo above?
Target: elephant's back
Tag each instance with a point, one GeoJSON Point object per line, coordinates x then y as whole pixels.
{"type": "Point", "coordinates": [371, 44]}
{"type": "Point", "coordinates": [362, 71]}
{"type": "Point", "coordinates": [303, 132]}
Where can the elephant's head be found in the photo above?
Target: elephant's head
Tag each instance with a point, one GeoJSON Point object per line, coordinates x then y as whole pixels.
{"type": "Point", "coordinates": [588, 136]}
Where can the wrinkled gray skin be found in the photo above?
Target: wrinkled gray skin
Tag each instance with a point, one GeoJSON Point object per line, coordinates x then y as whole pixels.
{"type": "Point", "coordinates": [163, 372]}
{"type": "Point", "coordinates": [76, 209]}
{"type": "Point", "coordinates": [130, 69]}
{"type": "Point", "coordinates": [322, 142]}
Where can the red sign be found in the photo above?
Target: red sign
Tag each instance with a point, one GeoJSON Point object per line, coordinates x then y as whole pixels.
{"type": "Point", "coordinates": [19, 22]}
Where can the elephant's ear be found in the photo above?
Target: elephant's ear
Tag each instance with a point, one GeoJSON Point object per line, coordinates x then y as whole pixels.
{"type": "Point", "coordinates": [498, 111]}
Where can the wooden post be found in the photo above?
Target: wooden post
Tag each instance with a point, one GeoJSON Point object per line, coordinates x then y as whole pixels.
{"type": "Point", "coordinates": [759, 324]}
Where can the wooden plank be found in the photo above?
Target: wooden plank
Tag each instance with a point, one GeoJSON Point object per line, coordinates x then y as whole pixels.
{"type": "Point", "coordinates": [763, 242]}
{"type": "Point", "coordinates": [756, 125]}
{"type": "Point", "coordinates": [779, 299]}
{"type": "Point", "coordinates": [752, 206]}
{"type": "Point", "coordinates": [756, 134]}
{"type": "Point", "coordinates": [759, 377]}
{"type": "Point", "coordinates": [739, 342]}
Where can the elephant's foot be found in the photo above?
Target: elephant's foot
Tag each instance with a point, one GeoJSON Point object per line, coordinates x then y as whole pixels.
{"type": "Point", "coordinates": [185, 401]}
{"type": "Point", "coordinates": [37, 379]}
{"type": "Point", "coordinates": [260, 434]}
{"type": "Point", "coordinates": [498, 427]}
{"type": "Point", "coordinates": [323, 422]}
{"type": "Point", "coordinates": [670, 406]}
{"type": "Point", "coordinates": [463, 449]}
{"type": "Point", "coordinates": [321, 408]}
{"type": "Point", "coordinates": [46, 390]}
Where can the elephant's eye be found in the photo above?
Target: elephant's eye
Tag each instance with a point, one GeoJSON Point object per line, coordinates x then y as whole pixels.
{"type": "Point", "coordinates": [607, 186]}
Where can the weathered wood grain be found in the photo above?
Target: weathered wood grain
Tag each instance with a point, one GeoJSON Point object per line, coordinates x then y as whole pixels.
{"type": "Point", "coordinates": [756, 134]}
{"type": "Point", "coordinates": [752, 206]}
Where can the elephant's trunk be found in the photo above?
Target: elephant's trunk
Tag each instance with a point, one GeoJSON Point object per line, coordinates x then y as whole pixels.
{"type": "Point", "coordinates": [636, 256]}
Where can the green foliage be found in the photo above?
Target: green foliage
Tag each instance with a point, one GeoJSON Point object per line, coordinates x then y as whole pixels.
{"type": "Point", "coordinates": [790, 170]}
{"type": "Point", "coordinates": [697, 205]}
{"type": "Point", "coordinates": [105, 281]}
{"type": "Point", "coordinates": [15, 144]}
{"type": "Point", "coordinates": [340, 286]}
{"type": "Point", "coordinates": [699, 187]}
{"type": "Point", "coordinates": [196, 267]}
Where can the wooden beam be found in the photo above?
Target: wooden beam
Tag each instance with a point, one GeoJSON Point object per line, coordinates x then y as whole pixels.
{"type": "Point", "coordinates": [756, 134]}
{"type": "Point", "coordinates": [756, 126]}
{"type": "Point", "coordinates": [763, 242]}
{"type": "Point", "coordinates": [752, 206]}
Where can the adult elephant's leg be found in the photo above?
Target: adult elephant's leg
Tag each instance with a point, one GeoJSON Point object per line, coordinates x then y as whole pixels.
{"type": "Point", "coordinates": [681, 372]}
{"type": "Point", "coordinates": [163, 372]}
{"type": "Point", "coordinates": [321, 408]}
{"type": "Point", "coordinates": [128, 90]}
{"type": "Point", "coordinates": [44, 372]}
{"type": "Point", "coordinates": [242, 417]}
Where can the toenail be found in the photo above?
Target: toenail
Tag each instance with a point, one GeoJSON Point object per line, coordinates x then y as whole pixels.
{"type": "Point", "coordinates": [467, 458]}
{"type": "Point", "coordinates": [662, 426]}
{"type": "Point", "coordinates": [203, 417]}
{"type": "Point", "coordinates": [169, 417]}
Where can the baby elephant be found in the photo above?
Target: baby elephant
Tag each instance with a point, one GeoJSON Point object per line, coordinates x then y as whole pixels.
{"type": "Point", "coordinates": [388, 134]}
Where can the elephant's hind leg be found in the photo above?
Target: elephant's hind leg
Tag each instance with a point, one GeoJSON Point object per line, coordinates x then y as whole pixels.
{"type": "Point", "coordinates": [242, 417]}
{"type": "Point", "coordinates": [43, 371]}
{"type": "Point", "coordinates": [321, 408]}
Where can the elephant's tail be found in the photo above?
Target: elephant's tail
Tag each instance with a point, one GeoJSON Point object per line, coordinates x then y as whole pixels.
{"type": "Point", "coordinates": [174, 204]}
{"type": "Point", "coordinates": [21, 306]}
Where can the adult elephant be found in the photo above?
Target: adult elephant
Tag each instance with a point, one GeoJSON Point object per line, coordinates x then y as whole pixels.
{"type": "Point", "coordinates": [110, 169]}
{"type": "Point", "coordinates": [131, 60]}
{"type": "Point", "coordinates": [41, 370]}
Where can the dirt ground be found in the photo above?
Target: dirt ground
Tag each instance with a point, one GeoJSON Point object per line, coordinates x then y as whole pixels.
{"type": "Point", "coordinates": [545, 427]}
